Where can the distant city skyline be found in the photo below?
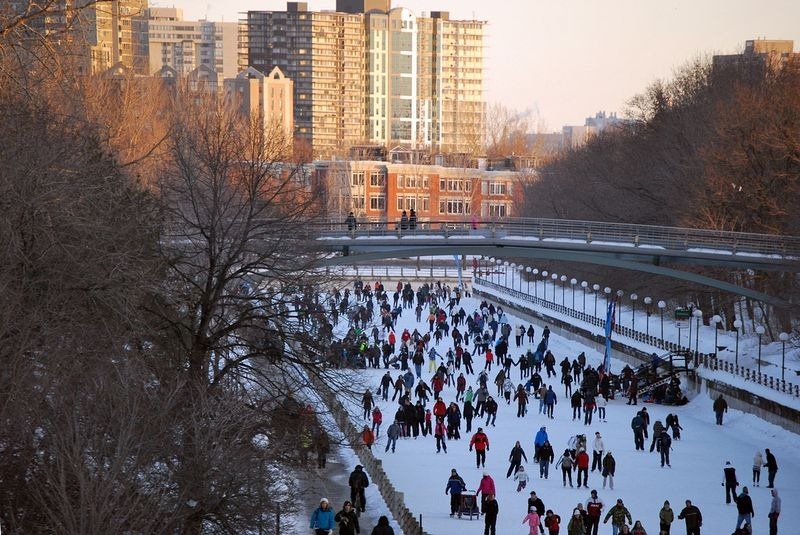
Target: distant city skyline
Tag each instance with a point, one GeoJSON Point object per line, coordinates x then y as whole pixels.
{"type": "Point", "coordinates": [570, 59]}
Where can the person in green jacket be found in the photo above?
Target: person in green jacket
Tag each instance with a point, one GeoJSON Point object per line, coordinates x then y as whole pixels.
{"type": "Point", "coordinates": [576, 525]}
{"type": "Point", "coordinates": [617, 514]}
{"type": "Point", "coordinates": [665, 517]}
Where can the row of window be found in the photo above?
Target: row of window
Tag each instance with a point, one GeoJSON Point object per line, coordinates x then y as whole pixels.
{"type": "Point", "coordinates": [376, 178]}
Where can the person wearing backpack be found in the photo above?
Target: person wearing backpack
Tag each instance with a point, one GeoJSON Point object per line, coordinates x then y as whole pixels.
{"type": "Point", "coordinates": [567, 465]}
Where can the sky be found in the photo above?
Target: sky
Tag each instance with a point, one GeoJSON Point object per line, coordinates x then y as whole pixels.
{"type": "Point", "coordinates": [697, 460]}
{"type": "Point", "coordinates": [565, 60]}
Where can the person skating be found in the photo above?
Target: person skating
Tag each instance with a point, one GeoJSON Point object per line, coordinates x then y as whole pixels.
{"type": "Point", "coordinates": [567, 466]}
{"type": "Point", "coordinates": [550, 401]}
{"type": "Point", "coordinates": [665, 518]}
{"type": "Point", "coordinates": [758, 462]}
{"type": "Point", "coordinates": [485, 488]}
{"type": "Point", "coordinates": [598, 447]}
{"type": "Point", "coordinates": [533, 520]}
{"type": "Point", "coordinates": [358, 481]}
{"type": "Point", "coordinates": [576, 525]}
{"type": "Point", "coordinates": [693, 518]}
{"type": "Point", "coordinates": [455, 487]}
{"type": "Point", "coordinates": [552, 522]}
{"type": "Point", "coordinates": [546, 458]}
{"type": "Point", "coordinates": [481, 444]}
{"type": "Point", "coordinates": [440, 432]}
{"type": "Point", "coordinates": [347, 520]}
{"type": "Point", "coordinates": [774, 512]}
{"type": "Point", "coordinates": [537, 504]}
{"type": "Point", "coordinates": [322, 519]}
{"type": "Point", "coordinates": [618, 514]}
{"type": "Point", "coordinates": [368, 437]}
{"type": "Point", "coordinates": [720, 407]}
{"type": "Point", "coordinates": [491, 411]}
{"type": "Point", "coordinates": [594, 510]}
{"type": "Point", "coordinates": [730, 482]}
{"type": "Point", "coordinates": [638, 427]}
{"type": "Point", "coordinates": [582, 463]}
{"type": "Point", "coordinates": [664, 443]}
{"type": "Point", "coordinates": [490, 515]}
{"type": "Point", "coordinates": [772, 468]}
{"type": "Point", "coordinates": [515, 458]}
{"type": "Point", "coordinates": [638, 529]}
{"type": "Point", "coordinates": [744, 508]}
{"type": "Point", "coordinates": [522, 477]}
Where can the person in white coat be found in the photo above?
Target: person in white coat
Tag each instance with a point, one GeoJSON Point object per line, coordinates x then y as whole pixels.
{"type": "Point", "coordinates": [758, 462]}
{"type": "Point", "coordinates": [597, 452]}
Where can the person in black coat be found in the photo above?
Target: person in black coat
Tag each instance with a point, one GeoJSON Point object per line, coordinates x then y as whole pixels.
{"type": "Point", "coordinates": [729, 482]}
{"type": "Point", "coordinates": [358, 482]}
{"type": "Point", "coordinates": [515, 458]}
{"type": "Point", "coordinates": [720, 407]}
{"type": "Point", "coordinates": [694, 519]}
{"type": "Point", "coordinates": [744, 506]}
{"type": "Point", "coordinates": [383, 527]}
{"type": "Point", "coordinates": [538, 505]}
{"type": "Point", "coordinates": [347, 520]}
{"type": "Point", "coordinates": [772, 468]}
{"type": "Point", "coordinates": [491, 509]}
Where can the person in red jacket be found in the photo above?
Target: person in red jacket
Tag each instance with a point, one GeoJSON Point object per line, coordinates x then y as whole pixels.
{"type": "Point", "coordinates": [481, 443]}
{"type": "Point", "coordinates": [439, 408]}
{"type": "Point", "coordinates": [392, 339]}
{"type": "Point", "coordinates": [489, 360]}
{"type": "Point", "coordinates": [406, 336]}
{"type": "Point", "coordinates": [485, 488]}
{"type": "Point", "coordinates": [437, 384]}
{"type": "Point", "coordinates": [368, 437]}
{"type": "Point", "coordinates": [461, 386]}
{"type": "Point", "coordinates": [582, 460]}
{"type": "Point", "coordinates": [377, 420]}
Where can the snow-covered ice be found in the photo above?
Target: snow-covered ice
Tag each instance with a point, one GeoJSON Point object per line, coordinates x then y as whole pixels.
{"type": "Point", "coordinates": [697, 459]}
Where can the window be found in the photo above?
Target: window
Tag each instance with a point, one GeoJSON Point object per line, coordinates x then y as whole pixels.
{"type": "Point", "coordinates": [498, 210]}
{"type": "Point", "coordinates": [358, 203]}
{"type": "Point", "coordinates": [399, 181]}
{"type": "Point", "coordinates": [401, 204]}
{"type": "Point", "coordinates": [425, 182]}
{"type": "Point", "coordinates": [426, 204]}
{"type": "Point", "coordinates": [357, 178]}
{"type": "Point", "coordinates": [498, 188]}
{"type": "Point", "coordinates": [442, 184]}
{"type": "Point", "coordinates": [377, 202]}
{"type": "Point", "coordinates": [376, 178]}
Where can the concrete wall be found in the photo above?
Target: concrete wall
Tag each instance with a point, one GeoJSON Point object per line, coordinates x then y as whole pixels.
{"type": "Point", "coordinates": [737, 398]}
{"type": "Point", "coordinates": [373, 466]}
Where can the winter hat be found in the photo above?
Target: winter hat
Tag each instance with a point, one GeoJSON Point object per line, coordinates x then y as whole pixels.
{"type": "Point", "coordinates": [486, 474]}
{"type": "Point", "coordinates": [666, 502]}
{"type": "Point", "coordinates": [727, 463]}
{"type": "Point", "coordinates": [531, 509]}
{"type": "Point", "coordinates": [324, 500]}
{"type": "Point", "coordinates": [533, 493]}
{"type": "Point", "coordinates": [576, 512]}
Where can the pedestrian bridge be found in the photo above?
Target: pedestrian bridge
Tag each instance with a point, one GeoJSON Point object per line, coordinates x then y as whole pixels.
{"type": "Point", "coordinates": [647, 248]}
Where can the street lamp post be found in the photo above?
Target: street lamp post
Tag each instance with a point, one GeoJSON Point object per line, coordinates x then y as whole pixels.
{"type": "Point", "coordinates": [596, 288]}
{"type": "Point", "coordinates": [783, 337]}
{"type": "Point", "coordinates": [584, 284]}
{"type": "Point", "coordinates": [554, 276]}
{"type": "Point", "coordinates": [737, 324]}
{"type": "Point", "coordinates": [520, 269]}
{"type": "Point", "coordinates": [572, 283]}
{"type": "Point", "coordinates": [499, 263]}
{"type": "Point", "coordinates": [697, 313]}
{"type": "Point", "coordinates": [647, 302]}
{"type": "Point", "coordinates": [535, 272]}
{"type": "Point", "coordinates": [607, 291]}
{"type": "Point", "coordinates": [716, 320]}
{"type": "Point", "coordinates": [544, 292]}
{"type": "Point", "coordinates": [634, 297]}
{"type": "Point", "coordinates": [759, 332]}
{"type": "Point", "coordinates": [661, 306]}
{"type": "Point", "coordinates": [505, 273]}
{"type": "Point", "coordinates": [528, 271]}
{"type": "Point", "coordinates": [563, 288]}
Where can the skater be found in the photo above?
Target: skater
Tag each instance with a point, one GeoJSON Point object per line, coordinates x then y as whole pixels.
{"type": "Point", "coordinates": [720, 407]}
{"type": "Point", "coordinates": [481, 443]}
{"type": "Point", "coordinates": [533, 521]}
{"type": "Point", "coordinates": [638, 426]}
{"type": "Point", "coordinates": [567, 466]}
{"type": "Point", "coordinates": [609, 467]}
{"type": "Point", "coordinates": [490, 516]}
{"type": "Point", "coordinates": [597, 452]}
{"type": "Point", "coordinates": [665, 518]}
{"type": "Point", "coordinates": [758, 462]}
{"type": "Point", "coordinates": [522, 477]}
{"type": "Point", "coordinates": [772, 468]}
{"type": "Point", "coordinates": [774, 512]}
{"type": "Point", "coordinates": [546, 457]}
{"type": "Point", "coordinates": [455, 486]}
{"type": "Point", "coordinates": [744, 506]}
{"type": "Point", "coordinates": [485, 488]}
{"type": "Point", "coordinates": [552, 522]}
{"type": "Point", "coordinates": [576, 525]}
{"type": "Point", "coordinates": [691, 515]}
{"type": "Point", "coordinates": [440, 431]}
{"type": "Point", "coordinates": [618, 514]}
{"type": "Point", "coordinates": [515, 458]}
{"type": "Point", "coordinates": [392, 434]}
{"type": "Point", "coordinates": [383, 527]}
{"type": "Point", "coordinates": [664, 443]}
{"type": "Point", "coordinates": [730, 482]}
{"type": "Point", "coordinates": [582, 462]}
{"type": "Point", "coordinates": [594, 510]}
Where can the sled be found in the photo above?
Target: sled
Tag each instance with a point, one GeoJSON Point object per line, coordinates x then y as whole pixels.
{"type": "Point", "coordinates": [469, 505]}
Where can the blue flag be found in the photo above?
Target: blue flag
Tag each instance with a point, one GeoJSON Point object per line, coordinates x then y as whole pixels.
{"type": "Point", "coordinates": [612, 304]}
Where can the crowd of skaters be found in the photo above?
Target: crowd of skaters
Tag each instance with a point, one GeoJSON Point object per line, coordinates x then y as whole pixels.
{"type": "Point", "coordinates": [451, 345]}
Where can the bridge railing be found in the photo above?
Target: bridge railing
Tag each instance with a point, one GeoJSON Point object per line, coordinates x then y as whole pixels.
{"type": "Point", "coordinates": [707, 361]}
{"type": "Point", "coordinates": [672, 238]}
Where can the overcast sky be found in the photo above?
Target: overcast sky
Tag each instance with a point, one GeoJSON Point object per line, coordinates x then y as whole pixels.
{"type": "Point", "coordinates": [568, 59]}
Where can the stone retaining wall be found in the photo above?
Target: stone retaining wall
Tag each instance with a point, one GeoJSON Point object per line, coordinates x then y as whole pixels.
{"type": "Point", "coordinates": [374, 467]}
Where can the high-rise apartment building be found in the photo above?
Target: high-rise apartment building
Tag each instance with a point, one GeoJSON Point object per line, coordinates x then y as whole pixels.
{"type": "Point", "coordinates": [102, 34]}
{"type": "Point", "coordinates": [368, 73]}
{"type": "Point", "coordinates": [773, 53]}
{"type": "Point", "coordinates": [185, 45]}
{"type": "Point", "coordinates": [266, 98]}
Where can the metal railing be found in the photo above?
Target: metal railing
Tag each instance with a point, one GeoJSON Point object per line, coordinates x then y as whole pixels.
{"type": "Point", "coordinates": [596, 232]}
{"type": "Point", "coordinates": [707, 361]}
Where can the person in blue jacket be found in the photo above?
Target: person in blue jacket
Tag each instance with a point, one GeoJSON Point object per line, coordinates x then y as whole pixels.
{"type": "Point", "coordinates": [322, 518]}
{"type": "Point", "coordinates": [455, 486]}
{"type": "Point", "coordinates": [538, 442]}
